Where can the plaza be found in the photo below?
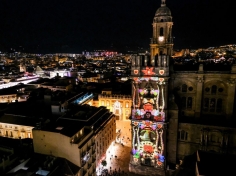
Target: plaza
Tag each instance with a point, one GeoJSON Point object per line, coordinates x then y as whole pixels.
{"type": "Point", "coordinates": [118, 154]}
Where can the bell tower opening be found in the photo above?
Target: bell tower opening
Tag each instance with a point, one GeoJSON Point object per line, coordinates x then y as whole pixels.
{"type": "Point", "coordinates": [162, 31]}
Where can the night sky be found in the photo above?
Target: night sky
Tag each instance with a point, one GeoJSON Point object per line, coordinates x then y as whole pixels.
{"type": "Point", "coordinates": [77, 25]}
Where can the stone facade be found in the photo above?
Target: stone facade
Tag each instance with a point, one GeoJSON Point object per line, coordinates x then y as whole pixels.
{"type": "Point", "coordinates": [120, 105]}
{"type": "Point", "coordinates": [104, 139]}
{"type": "Point", "coordinates": [56, 144]}
{"type": "Point", "coordinates": [198, 105]}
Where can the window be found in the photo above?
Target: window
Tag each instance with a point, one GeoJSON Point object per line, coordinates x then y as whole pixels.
{"type": "Point", "coordinates": [102, 103]}
{"type": "Point", "coordinates": [219, 105]}
{"type": "Point", "coordinates": [220, 90]}
{"type": "Point", "coordinates": [183, 135]}
{"type": "Point", "coordinates": [212, 104]}
{"type": "Point", "coordinates": [184, 88]}
{"type": "Point", "coordinates": [190, 89]}
{"type": "Point", "coordinates": [161, 31]}
{"type": "Point", "coordinates": [127, 105]}
{"type": "Point", "coordinates": [189, 102]}
{"type": "Point", "coordinates": [213, 89]}
{"type": "Point", "coordinates": [206, 104]}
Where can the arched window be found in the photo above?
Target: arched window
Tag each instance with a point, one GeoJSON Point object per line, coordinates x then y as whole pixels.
{"type": "Point", "coordinates": [161, 31]}
{"type": "Point", "coordinates": [213, 89]}
{"type": "Point", "coordinates": [161, 20]}
{"type": "Point", "coordinates": [189, 102]}
{"type": "Point", "coordinates": [212, 105]}
{"type": "Point", "coordinates": [184, 88]}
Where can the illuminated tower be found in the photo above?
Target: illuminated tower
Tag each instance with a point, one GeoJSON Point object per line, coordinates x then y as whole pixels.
{"type": "Point", "coordinates": [161, 41]}
{"type": "Point", "coordinates": [150, 76]}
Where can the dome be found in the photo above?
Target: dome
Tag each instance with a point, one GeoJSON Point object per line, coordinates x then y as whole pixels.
{"type": "Point", "coordinates": [163, 11]}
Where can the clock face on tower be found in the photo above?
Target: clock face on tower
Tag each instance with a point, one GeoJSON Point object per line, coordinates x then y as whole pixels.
{"type": "Point", "coordinates": [161, 38]}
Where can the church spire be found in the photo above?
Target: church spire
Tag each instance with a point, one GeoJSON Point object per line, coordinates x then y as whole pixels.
{"type": "Point", "coordinates": [163, 2]}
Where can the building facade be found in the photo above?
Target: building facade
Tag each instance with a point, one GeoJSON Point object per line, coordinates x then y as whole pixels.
{"type": "Point", "coordinates": [16, 126]}
{"type": "Point", "coordinates": [78, 148]}
{"type": "Point", "coordinates": [150, 76]}
{"type": "Point", "coordinates": [175, 113]}
{"type": "Point", "coordinates": [82, 137]}
{"type": "Point", "coordinates": [120, 105]}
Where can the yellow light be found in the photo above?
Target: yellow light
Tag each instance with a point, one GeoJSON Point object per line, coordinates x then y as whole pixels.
{"type": "Point", "coordinates": [161, 38]}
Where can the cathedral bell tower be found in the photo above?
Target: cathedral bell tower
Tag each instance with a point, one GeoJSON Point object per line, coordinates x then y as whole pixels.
{"type": "Point", "coordinates": [161, 41]}
{"type": "Point", "coordinates": [150, 74]}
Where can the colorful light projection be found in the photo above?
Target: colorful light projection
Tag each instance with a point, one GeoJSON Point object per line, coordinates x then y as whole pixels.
{"type": "Point", "coordinates": [148, 71]}
{"type": "Point", "coordinates": [148, 144]}
{"type": "Point", "coordinates": [150, 106]}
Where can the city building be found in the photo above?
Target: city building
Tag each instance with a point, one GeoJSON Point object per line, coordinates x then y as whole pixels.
{"type": "Point", "coordinates": [81, 136]}
{"type": "Point", "coordinates": [120, 105]}
{"type": "Point", "coordinates": [16, 126]}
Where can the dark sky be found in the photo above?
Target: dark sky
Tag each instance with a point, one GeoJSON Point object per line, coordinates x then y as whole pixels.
{"type": "Point", "coordinates": [76, 25]}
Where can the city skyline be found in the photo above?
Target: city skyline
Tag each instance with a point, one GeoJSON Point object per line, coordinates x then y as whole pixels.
{"type": "Point", "coordinates": [74, 26]}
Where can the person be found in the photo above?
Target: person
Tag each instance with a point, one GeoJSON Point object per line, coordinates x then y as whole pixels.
{"type": "Point", "coordinates": [148, 116]}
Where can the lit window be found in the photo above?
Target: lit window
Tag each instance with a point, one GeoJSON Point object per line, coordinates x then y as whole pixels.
{"type": "Point", "coordinates": [29, 135]}
{"type": "Point", "coordinates": [127, 105]}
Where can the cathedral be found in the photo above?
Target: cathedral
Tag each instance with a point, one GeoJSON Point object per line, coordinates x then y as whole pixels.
{"type": "Point", "coordinates": [176, 112]}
